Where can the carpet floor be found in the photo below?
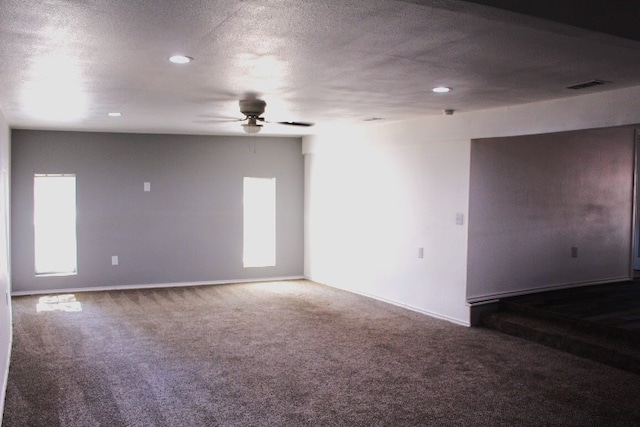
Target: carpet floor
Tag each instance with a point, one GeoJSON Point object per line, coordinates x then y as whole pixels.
{"type": "Point", "coordinates": [290, 353]}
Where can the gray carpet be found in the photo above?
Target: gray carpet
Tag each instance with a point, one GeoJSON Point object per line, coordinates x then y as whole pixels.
{"type": "Point", "coordinates": [290, 354]}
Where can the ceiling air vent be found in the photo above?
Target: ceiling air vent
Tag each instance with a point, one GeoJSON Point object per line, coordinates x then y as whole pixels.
{"type": "Point", "coordinates": [585, 85]}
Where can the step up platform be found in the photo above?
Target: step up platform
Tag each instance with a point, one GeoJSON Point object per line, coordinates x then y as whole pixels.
{"type": "Point", "coordinates": [597, 323]}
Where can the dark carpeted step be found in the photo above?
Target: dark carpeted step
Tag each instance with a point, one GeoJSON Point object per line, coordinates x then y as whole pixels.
{"type": "Point", "coordinates": [629, 338]}
{"type": "Point", "coordinates": [612, 351]}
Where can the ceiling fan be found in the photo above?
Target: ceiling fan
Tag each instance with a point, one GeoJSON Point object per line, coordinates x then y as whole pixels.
{"type": "Point", "coordinates": [253, 108]}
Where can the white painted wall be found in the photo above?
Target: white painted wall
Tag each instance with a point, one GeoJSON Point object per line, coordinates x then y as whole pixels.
{"type": "Point", "coordinates": [373, 197]}
{"type": "Point", "coordinates": [375, 193]}
{"type": "Point", "coordinates": [5, 284]}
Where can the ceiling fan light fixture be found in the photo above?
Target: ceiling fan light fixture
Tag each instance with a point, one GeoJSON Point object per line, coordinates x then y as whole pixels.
{"type": "Point", "coordinates": [251, 128]}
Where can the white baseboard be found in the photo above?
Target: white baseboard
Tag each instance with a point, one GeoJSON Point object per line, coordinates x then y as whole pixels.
{"type": "Point", "coordinates": [151, 286]}
{"type": "Point", "coordinates": [399, 304]}
{"type": "Point", "coordinates": [420, 310]}
{"type": "Point", "coordinates": [492, 297]}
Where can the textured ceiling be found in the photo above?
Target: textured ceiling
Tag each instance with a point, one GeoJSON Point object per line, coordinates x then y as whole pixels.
{"type": "Point", "coordinates": [66, 64]}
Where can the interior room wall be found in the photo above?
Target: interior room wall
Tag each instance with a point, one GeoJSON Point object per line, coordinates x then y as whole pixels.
{"type": "Point", "coordinates": [5, 278]}
{"type": "Point", "coordinates": [376, 192]}
{"type": "Point", "coordinates": [381, 215]}
{"type": "Point", "coordinates": [187, 229]}
{"type": "Point", "coordinates": [550, 210]}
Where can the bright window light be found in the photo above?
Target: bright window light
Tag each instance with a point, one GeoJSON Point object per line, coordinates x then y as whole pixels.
{"type": "Point", "coordinates": [54, 89]}
{"type": "Point", "coordinates": [54, 220]}
{"type": "Point", "coordinates": [259, 222]}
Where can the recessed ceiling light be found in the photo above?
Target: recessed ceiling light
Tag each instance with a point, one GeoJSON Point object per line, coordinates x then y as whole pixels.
{"type": "Point", "coordinates": [180, 59]}
{"type": "Point", "coordinates": [441, 89]}
{"type": "Point", "coordinates": [114, 114]}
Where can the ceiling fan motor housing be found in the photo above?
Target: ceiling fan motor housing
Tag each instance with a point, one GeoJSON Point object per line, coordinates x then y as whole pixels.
{"type": "Point", "coordinates": [252, 107]}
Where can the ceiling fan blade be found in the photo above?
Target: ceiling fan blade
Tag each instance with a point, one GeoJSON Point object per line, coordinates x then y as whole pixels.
{"type": "Point", "coordinates": [306, 124]}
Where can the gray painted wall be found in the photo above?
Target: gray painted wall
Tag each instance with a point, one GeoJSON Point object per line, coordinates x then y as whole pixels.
{"type": "Point", "coordinates": [187, 229]}
{"type": "Point", "coordinates": [533, 198]}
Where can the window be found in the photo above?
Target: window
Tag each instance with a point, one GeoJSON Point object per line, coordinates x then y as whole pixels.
{"type": "Point", "coordinates": [54, 220]}
{"type": "Point", "coordinates": [259, 223]}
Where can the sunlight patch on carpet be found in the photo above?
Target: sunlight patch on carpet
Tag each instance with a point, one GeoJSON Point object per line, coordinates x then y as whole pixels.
{"type": "Point", "coordinates": [66, 302]}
